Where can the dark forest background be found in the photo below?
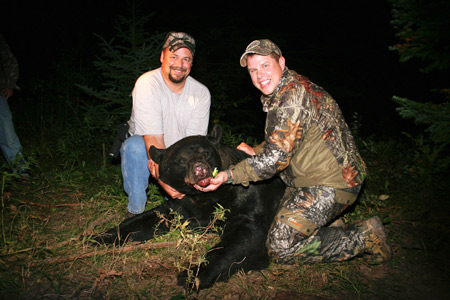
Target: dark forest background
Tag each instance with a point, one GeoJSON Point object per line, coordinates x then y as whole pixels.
{"type": "Point", "coordinates": [385, 62]}
{"type": "Point", "coordinates": [343, 47]}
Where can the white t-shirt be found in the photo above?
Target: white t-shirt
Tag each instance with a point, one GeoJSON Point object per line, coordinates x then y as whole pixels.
{"type": "Point", "coordinates": [158, 110]}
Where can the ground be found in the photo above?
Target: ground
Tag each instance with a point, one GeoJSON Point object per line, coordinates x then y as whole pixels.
{"type": "Point", "coordinates": [55, 264]}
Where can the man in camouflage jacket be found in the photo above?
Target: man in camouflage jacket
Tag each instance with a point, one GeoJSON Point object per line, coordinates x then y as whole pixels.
{"type": "Point", "coordinates": [309, 145]}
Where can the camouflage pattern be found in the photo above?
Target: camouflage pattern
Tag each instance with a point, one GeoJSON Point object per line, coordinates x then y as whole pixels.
{"type": "Point", "coordinates": [177, 40]}
{"type": "Point", "coordinates": [300, 230]}
{"type": "Point", "coordinates": [307, 140]}
{"type": "Point", "coordinates": [308, 143]}
{"type": "Point", "coordinates": [9, 68]}
{"type": "Point", "coordinates": [261, 47]}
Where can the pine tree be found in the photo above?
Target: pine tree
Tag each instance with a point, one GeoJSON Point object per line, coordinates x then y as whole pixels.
{"type": "Point", "coordinates": [424, 34]}
{"type": "Point", "coordinates": [123, 59]}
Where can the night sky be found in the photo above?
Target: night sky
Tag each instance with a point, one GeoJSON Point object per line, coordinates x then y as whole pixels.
{"type": "Point", "coordinates": [340, 45]}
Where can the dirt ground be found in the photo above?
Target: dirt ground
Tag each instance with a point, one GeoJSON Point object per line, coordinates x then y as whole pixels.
{"type": "Point", "coordinates": [57, 267]}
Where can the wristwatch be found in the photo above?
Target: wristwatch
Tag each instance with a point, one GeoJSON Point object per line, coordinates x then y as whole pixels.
{"type": "Point", "coordinates": [230, 177]}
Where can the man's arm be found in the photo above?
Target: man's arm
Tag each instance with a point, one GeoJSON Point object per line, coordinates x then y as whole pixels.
{"type": "Point", "coordinates": [7, 92]}
{"type": "Point", "coordinates": [10, 68]}
{"type": "Point", "coordinates": [157, 140]}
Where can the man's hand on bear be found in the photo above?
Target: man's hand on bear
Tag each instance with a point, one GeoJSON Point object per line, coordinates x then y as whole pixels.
{"type": "Point", "coordinates": [154, 170]}
{"type": "Point", "coordinates": [171, 191]}
{"type": "Point", "coordinates": [221, 178]}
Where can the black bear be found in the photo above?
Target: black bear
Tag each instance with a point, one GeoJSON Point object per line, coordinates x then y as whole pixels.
{"type": "Point", "coordinates": [251, 209]}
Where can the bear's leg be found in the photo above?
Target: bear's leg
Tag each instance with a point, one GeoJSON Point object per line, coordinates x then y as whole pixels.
{"type": "Point", "coordinates": [242, 247]}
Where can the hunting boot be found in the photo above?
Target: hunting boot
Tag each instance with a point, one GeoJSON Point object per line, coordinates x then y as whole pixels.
{"type": "Point", "coordinates": [375, 242]}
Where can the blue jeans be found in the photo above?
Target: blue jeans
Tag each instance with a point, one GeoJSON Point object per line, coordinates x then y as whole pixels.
{"type": "Point", "coordinates": [9, 141]}
{"type": "Point", "coordinates": [135, 172]}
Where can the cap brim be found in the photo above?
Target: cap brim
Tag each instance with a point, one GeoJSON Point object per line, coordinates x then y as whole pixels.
{"type": "Point", "coordinates": [178, 46]}
{"type": "Point", "coordinates": [243, 60]}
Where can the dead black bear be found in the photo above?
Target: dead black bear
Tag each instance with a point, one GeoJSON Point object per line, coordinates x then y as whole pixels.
{"type": "Point", "coordinates": [251, 210]}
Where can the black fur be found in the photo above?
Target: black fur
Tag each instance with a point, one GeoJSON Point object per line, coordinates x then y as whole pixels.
{"type": "Point", "coordinates": [252, 208]}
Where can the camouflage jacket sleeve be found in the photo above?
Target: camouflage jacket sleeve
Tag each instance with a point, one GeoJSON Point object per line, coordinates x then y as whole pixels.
{"type": "Point", "coordinates": [9, 72]}
{"type": "Point", "coordinates": [306, 139]}
{"type": "Point", "coordinates": [259, 148]}
{"type": "Point", "coordinates": [282, 135]}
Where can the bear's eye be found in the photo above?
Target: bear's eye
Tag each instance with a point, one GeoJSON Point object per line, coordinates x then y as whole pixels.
{"type": "Point", "coordinates": [180, 161]}
{"type": "Point", "coordinates": [206, 153]}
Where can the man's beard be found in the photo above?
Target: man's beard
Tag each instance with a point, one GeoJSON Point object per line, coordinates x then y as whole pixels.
{"type": "Point", "coordinates": [177, 80]}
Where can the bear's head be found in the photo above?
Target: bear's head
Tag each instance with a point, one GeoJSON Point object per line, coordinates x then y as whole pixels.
{"type": "Point", "coordinates": [189, 161]}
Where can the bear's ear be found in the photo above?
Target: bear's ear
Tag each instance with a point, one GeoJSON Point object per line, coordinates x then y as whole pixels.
{"type": "Point", "coordinates": [156, 154]}
{"type": "Point", "coordinates": [215, 135]}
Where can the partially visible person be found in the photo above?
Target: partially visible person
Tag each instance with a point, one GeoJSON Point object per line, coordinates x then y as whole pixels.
{"type": "Point", "coordinates": [9, 141]}
{"type": "Point", "coordinates": [168, 105]}
{"type": "Point", "coordinates": [309, 145]}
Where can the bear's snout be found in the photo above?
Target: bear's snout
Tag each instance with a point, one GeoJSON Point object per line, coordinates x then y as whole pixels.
{"type": "Point", "coordinates": [200, 170]}
{"type": "Point", "coordinates": [201, 173]}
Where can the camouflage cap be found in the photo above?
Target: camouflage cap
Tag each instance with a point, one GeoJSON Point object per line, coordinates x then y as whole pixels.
{"type": "Point", "coordinates": [176, 40]}
{"type": "Point", "coordinates": [261, 47]}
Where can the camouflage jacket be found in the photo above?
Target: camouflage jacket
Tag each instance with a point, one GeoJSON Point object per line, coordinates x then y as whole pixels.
{"type": "Point", "coordinates": [9, 70]}
{"type": "Point", "coordinates": [306, 140]}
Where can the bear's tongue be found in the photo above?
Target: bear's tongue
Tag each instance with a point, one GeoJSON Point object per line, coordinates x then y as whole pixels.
{"type": "Point", "coordinates": [204, 182]}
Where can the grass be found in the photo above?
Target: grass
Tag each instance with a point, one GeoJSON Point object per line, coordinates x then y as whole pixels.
{"type": "Point", "coordinates": [43, 257]}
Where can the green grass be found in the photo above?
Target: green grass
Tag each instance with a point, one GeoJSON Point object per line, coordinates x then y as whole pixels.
{"type": "Point", "coordinates": [70, 193]}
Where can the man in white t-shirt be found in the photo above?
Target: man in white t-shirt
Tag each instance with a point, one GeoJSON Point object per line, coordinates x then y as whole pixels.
{"type": "Point", "coordinates": [168, 105]}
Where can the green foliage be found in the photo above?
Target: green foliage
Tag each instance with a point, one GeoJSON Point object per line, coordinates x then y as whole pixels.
{"type": "Point", "coordinates": [435, 116]}
{"type": "Point", "coordinates": [123, 59]}
{"type": "Point", "coordinates": [311, 247]}
{"type": "Point", "coordinates": [233, 138]}
{"type": "Point", "coordinates": [429, 156]}
{"type": "Point", "coordinates": [191, 241]}
{"type": "Point", "coordinates": [424, 32]}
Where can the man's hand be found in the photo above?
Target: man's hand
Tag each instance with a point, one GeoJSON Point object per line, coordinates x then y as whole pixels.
{"type": "Point", "coordinates": [215, 182]}
{"type": "Point", "coordinates": [153, 168]}
{"type": "Point", "coordinates": [246, 148]}
{"type": "Point", "coordinates": [7, 92]}
{"type": "Point", "coordinates": [171, 191]}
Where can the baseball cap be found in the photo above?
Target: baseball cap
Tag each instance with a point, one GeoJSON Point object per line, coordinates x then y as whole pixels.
{"type": "Point", "coordinates": [176, 40]}
{"type": "Point", "coordinates": [261, 47]}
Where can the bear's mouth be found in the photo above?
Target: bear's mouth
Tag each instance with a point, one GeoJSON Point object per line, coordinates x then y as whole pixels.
{"type": "Point", "coordinates": [204, 182]}
{"type": "Point", "coordinates": [201, 173]}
